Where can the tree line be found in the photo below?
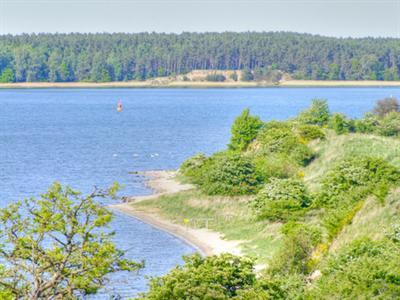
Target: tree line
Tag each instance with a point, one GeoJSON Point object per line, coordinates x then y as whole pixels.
{"type": "Point", "coordinates": [106, 57]}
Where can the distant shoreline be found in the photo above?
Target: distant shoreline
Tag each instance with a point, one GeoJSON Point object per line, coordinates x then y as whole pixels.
{"type": "Point", "coordinates": [197, 84]}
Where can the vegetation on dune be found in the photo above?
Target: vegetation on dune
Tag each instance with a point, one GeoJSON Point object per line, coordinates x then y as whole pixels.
{"type": "Point", "coordinates": [216, 277]}
{"type": "Point", "coordinates": [264, 56]}
{"type": "Point", "coordinates": [321, 180]}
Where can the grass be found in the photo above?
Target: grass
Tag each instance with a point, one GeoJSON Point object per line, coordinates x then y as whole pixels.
{"type": "Point", "coordinates": [233, 217]}
{"type": "Point", "coordinates": [335, 148]}
{"type": "Point", "coordinates": [230, 216]}
{"type": "Point", "coordinates": [374, 220]}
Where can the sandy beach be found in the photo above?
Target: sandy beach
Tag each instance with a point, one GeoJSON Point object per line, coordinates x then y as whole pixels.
{"type": "Point", "coordinates": [163, 182]}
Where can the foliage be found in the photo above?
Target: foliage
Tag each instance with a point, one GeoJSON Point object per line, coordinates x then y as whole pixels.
{"type": "Point", "coordinates": [310, 132]}
{"type": "Point", "coordinates": [55, 247]}
{"type": "Point", "coordinates": [231, 174]}
{"type": "Point", "coordinates": [98, 57]}
{"type": "Point", "coordinates": [340, 124]}
{"type": "Point", "coordinates": [346, 186]}
{"type": "Point", "coordinates": [389, 125]}
{"type": "Point", "coordinates": [357, 172]}
{"type": "Point", "coordinates": [299, 243]}
{"type": "Point", "coordinates": [274, 166]}
{"type": "Point", "coordinates": [365, 269]}
{"type": "Point", "coordinates": [280, 139]}
{"type": "Point", "coordinates": [317, 114]}
{"type": "Point", "coordinates": [368, 124]}
{"type": "Point", "coordinates": [234, 76]}
{"type": "Point", "coordinates": [215, 77]}
{"type": "Point", "coordinates": [193, 167]}
{"type": "Point", "coordinates": [7, 75]}
{"type": "Point", "coordinates": [244, 130]}
{"type": "Point", "coordinates": [281, 199]}
{"type": "Point", "coordinates": [214, 277]}
{"type": "Point", "coordinates": [386, 106]}
{"type": "Point", "coordinates": [247, 75]}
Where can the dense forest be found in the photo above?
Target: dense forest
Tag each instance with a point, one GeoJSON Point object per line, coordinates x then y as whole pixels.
{"type": "Point", "coordinates": [118, 57]}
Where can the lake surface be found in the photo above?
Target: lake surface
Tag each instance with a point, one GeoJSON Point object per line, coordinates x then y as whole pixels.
{"type": "Point", "coordinates": [76, 137]}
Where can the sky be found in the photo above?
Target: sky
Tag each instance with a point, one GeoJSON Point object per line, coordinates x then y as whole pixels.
{"type": "Point", "coordinates": [341, 18]}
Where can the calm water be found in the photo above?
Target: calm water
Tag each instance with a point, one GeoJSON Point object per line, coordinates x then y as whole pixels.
{"type": "Point", "coordinates": [77, 137]}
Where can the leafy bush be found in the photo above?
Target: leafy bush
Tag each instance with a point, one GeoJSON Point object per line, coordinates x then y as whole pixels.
{"type": "Point", "coordinates": [281, 199]}
{"type": "Point", "coordinates": [234, 76]}
{"type": "Point", "coordinates": [244, 130]}
{"type": "Point", "coordinates": [193, 167]}
{"type": "Point", "coordinates": [365, 269]}
{"type": "Point", "coordinates": [317, 114]}
{"type": "Point", "coordinates": [298, 245]}
{"type": "Point", "coordinates": [390, 125]}
{"type": "Point", "coordinates": [214, 277]}
{"type": "Point", "coordinates": [7, 76]}
{"type": "Point", "coordinates": [346, 186]}
{"type": "Point", "coordinates": [247, 75]}
{"type": "Point", "coordinates": [355, 172]}
{"type": "Point", "coordinates": [274, 166]}
{"type": "Point", "coordinates": [284, 141]}
{"type": "Point", "coordinates": [310, 132]}
{"type": "Point", "coordinates": [386, 106]}
{"type": "Point", "coordinates": [368, 124]}
{"type": "Point", "coordinates": [215, 77]}
{"type": "Point", "coordinates": [231, 174]}
{"type": "Point", "coordinates": [341, 124]}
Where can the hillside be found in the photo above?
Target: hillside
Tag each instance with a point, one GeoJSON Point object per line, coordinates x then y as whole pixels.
{"type": "Point", "coordinates": [302, 197]}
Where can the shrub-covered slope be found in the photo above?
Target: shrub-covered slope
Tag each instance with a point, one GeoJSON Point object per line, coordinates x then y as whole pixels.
{"type": "Point", "coordinates": [315, 198]}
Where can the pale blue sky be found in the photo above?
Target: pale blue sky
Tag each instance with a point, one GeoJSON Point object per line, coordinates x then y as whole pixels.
{"type": "Point", "coordinates": [327, 17]}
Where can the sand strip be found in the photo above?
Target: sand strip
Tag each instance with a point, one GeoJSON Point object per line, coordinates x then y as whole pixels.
{"type": "Point", "coordinates": [163, 182]}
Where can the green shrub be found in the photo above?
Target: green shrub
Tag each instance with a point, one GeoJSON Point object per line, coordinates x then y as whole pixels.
{"type": "Point", "coordinates": [349, 183]}
{"type": "Point", "coordinates": [386, 106]}
{"type": "Point", "coordinates": [341, 124]}
{"type": "Point", "coordinates": [317, 114]}
{"type": "Point", "coordinates": [310, 132]}
{"type": "Point", "coordinates": [194, 167]}
{"type": "Point", "coordinates": [298, 245]}
{"type": "Point", "coordinates": [284, 141]}
{"type": "Point", "coordinates": [247, 75]}
{"type": "Point", "coordinates": [281, 199]}
{"type": "Point", "coordinates": [358, 171]}
{"type": "Point", "coordinates": [365, 269]}
{"type": "Point", "coordinates": [7, 76]}
{"type": "Point", "coordinates": [234, 76]}
{"type": "Point", "coordinates": [390, 125]}
{"type": "Point", "coordinates": [368, 124]}
{"type": "Point", "coordinates": [244, 130]}
{"type": "Point", "coordinates": [215, 277]}
{"type": "Point", "coordinates": [274, 165]}
{"type": "Point", "coordinates": [215, 77]}
{"type": "Point", "coordinates": [231, 174]}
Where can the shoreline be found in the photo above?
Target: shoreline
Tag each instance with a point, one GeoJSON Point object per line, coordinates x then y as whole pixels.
{"type": "Point", "coordinates": [198, 84]}
{"type": "Point", "coordinates": [203, 240]}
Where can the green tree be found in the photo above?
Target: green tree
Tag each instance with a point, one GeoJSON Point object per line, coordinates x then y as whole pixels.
{"type": "Point", "coordinates": [244, 130]}
{"type": "Point", "coordinates": [215, 277]}
{"type": "Point", "coordinates": [7, 76]}
{"type": "Point", "coordinates": [55, 247]}
{"type": "Point", "coordinates": [317, 114]}
{"type": "Point", "coordinates": [340, 124]}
